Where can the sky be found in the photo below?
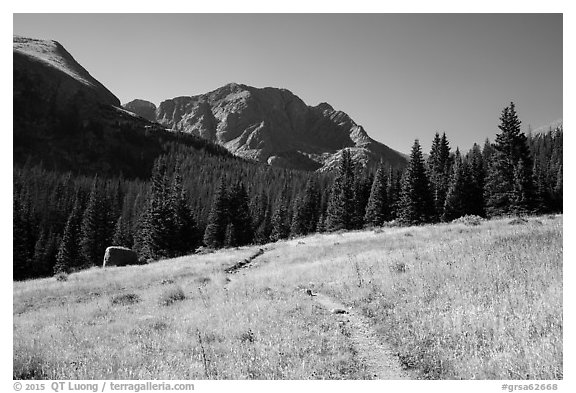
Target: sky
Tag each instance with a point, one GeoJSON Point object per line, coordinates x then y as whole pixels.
{"type": "Point", "coordinates": [401, 76]}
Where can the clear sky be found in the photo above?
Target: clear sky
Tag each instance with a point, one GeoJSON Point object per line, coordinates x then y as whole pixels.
{"type": "Point", "coordinates": [401, 76]}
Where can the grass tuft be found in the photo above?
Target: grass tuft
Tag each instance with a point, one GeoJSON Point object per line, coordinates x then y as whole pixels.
{"type": "Point", "coordinates": [172, 295]}
{"type": "Point", "coordinates": [125, 299]}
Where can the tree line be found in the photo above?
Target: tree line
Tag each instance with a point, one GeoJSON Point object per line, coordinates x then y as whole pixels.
{"type": "Point", "coordinates": [63, 222]}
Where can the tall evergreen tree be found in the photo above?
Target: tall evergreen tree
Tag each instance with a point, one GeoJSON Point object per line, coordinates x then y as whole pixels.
{"type": "Point", "coordinates": [393, 192]}
{"type": "Point", "coordinates": [475, 164]}
{"type": "Point", "coordinates": [280, 218]}
{"type": "Point", "coordinates": [456, 204]}
{"type": "Point", "coordinates": [378, 210]}
{"type": "Point", "coordinates": [215, 232]}
{"type": "Point", "coordinates": [510, 148]}
{"type": "Point", "coordinates": [155, 234]}
{"type": "Point", "coordinates": [184, 233]}
{"type": "Point", "coordinates": [68, 257]}
{"type": "Point", "coordinates": [416, 204]}
{"type": "Point", "coordinates": [439, 168]}
{"type": "Point", "coordinates": [239, 217]}
{"type": "Point", "coordinates": [97, 226]}
{"type": "Point", "coordinates": [340, 213]}
{"type": "Point", "coordinates": [122, 234]}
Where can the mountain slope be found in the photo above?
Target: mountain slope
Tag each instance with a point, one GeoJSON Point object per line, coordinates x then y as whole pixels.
{"type": "Point", "coordinates": [67, 120]}
{"type": "Point", "coordinates": [273, 126]}
{"type": "Point", "coordinates": [59, 84]}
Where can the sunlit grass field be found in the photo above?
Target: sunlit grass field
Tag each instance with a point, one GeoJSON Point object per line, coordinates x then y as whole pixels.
{"type": "Point", "coordinates": [454, 301]}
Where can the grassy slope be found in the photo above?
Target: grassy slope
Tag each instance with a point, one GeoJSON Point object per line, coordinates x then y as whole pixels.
{"type": "Point", "coordinates": [455, 301]}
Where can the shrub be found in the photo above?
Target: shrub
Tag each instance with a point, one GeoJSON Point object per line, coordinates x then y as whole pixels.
{"type": "Point", "coordinates": [172, 295]}
{"type": "Point", "coordinates": [399, 267]}
{"type": "Point", "coordinates": [125, 299]}
{"type": "Point", "coordinates": [61, 276]}
{"type": "Point", "coordinates": [469, 220]}
{"type": "Point", "coordinates": [31, 367]}
{"type": "Point", "coordinates": [518, 221]}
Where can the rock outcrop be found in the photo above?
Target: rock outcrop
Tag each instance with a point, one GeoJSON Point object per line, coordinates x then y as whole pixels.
{"type": "Point", "coordinates": [273, 126]}
{"type": "Point", "coordinates": [119, 256]}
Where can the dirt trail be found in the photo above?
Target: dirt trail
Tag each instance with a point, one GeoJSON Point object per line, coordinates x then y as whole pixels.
{"type": "Point", "coordinates": [377, 356]}
{"type": "Point", "coordinates": [245, 263]}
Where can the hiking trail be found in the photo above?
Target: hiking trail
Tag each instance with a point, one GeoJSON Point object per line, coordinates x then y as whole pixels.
{"type": "Point", "coordinates": [378, 357]}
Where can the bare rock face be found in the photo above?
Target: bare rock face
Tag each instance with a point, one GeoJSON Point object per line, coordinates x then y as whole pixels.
{"type": "Point", "coordinates": [274, 126]}
{"type": "Point", "coordinates": [142, 108]}
{"type": "Point", "coordinates": [119, 256]}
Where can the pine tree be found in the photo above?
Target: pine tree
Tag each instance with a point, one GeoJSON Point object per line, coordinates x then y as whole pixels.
{"type": "Point", "coordinates": [280, 224]}
{"type": "Point", "coordinates": [307, 209]}
{"type": "Point", "coordinates": [456, 204]}
{"type": "Point", "coordinates": [393, 192]}
{"type": "Point", "coordinates": [378, 210]}
{"type": "Point", "coordinates": [340, 212]}
{"type": "Point", "coordinates": [416, 204]}
{"type": "Point", "coordinates": [262, 216]}
{"type": "Point", "coordinates": [68, 257]}
{"type": "Point", "coordinates": [97, 227]}
{"type": "Point", "coordinates": [215, 233]}
{"type": "Point", "coordinates": [239, 216]}
{"type": "Point", "coordinates": [155, 234]}
{"type": "Point", "coordinates": [475, 164]}
{"type": "Point", "coordinates": [439, 168]}
{"type": "Point", "coordinates": [510, 148]}
{"type": "Point", "coordinates": [122, 233]}
{"type": "Point", "coordinates": [523, 201]}
{"type": "Point", "coordinates": [362, 189]}
{"type": "Point", "coordinates": [183, 230]}
{"type": "Point", "coordinates": [23, 236]}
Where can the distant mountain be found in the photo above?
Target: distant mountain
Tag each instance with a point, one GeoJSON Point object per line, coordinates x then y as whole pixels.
{"type": "Point", "coordinates": [550, 126]}
{"type": "Point", "coordinates": [47, 80]}
{"type": "Point", "coordinates": [67, 120]}
{"type": "Point", "coordinates": [271, 125]}
{"type": "Point", "coordinates": [142, 108]}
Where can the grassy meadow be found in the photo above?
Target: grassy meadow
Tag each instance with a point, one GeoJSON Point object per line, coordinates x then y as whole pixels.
{"type": "Point", "coordinates": [454, 301]}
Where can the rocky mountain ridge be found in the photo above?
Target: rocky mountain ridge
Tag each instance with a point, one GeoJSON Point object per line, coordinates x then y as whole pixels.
{"type": "Point", "coordinates": [270, 125]}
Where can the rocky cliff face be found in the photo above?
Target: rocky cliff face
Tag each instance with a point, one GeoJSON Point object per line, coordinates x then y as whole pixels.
{"type": "Point", "coordinates": [273, 126]}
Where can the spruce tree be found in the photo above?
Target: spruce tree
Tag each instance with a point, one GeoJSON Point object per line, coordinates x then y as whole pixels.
{"type": "Point", "coordinates": [122, 234]}
{"type": "Point", "coordinates": [340, 212]}
{"type": "Point", "coordinates": [510, 148]}
{"type": "Point", "coordinates": [439, 168]}
{"type": "Point", "coordinates": [156, 225]}
{"type": "Point", "coordinates": [280, 224]}
{"type": "Point", "coordinates": [378, 210]}
{"type": "Point", "coordinates": [215, 232]}
{"type": "Point", "coordinates": [475, 164]}
{"type": "Point", "coordinates": [97, 226]}
{"type": "Point", "coordinates": [184, 233]}
{"type": "Point", "coordinates": [68, 257]}
{"type": "Point", "coordinates": [393, 192]}
{"type": "Point", "coordinates": [416, 204]}
{"type": "Point", "coordinates": [456, 204]}
{"type": "Point", "coordinates": [307, 209]}
{"type": "Point", "coordinates": [523, 192]}
{"type": "Point", "coordinates": [239, 216]}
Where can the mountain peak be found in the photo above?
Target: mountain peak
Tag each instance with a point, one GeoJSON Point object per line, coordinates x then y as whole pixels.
{"type": "Point", "coordinates": [49, 56]}
{"type": "Point", "coordinates": [272, 125]}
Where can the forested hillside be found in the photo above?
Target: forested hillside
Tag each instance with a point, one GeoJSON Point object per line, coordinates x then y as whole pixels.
{"type": "Point", "coordinates": [199, 195]}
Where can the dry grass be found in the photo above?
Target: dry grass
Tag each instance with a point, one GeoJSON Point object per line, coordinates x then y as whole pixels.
{"type": "Point", "coordinates": [456, 301]}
